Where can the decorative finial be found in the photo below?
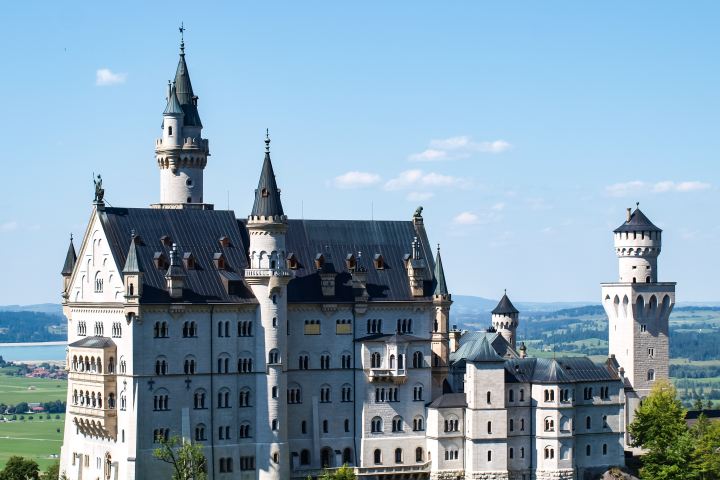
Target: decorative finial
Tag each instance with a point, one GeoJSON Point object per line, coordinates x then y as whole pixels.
{"type": "Point", "coordinates": [182, 38]}
{"type": "Point", "coordinates": [71, 237]}
{"type": "Point", "coordinates": [438, 247]}
{"type": "Point", "coordinates": [132, 233]}
{"type": "Point", "coordinates": [267, 140]}
{"type": "Point", "coordinates": [637, 204]}
{"type": "Point", "coordinates": [505, 290]}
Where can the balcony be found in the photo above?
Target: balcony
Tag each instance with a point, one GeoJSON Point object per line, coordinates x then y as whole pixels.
{"type": "Point", "coordinates": [100, 422]}
{"type": "Point", "coordinates": [268, 272]}
{"type": "Point", "coordinates": [91, 377]}
{"type": "Point", "coordinates": [398, 375]}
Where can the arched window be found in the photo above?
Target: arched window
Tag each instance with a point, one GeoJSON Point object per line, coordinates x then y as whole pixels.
{"type": "Point", "coordinates": [303, 361]}
{"type": "Point", "coordinates": [419, 454]}
{"type": "Point", "coordinates": [588, 450]}
{"type": "Point", "coordinates": [244, 398]}
{"type": "Point", "coordinates": [418, 424]}
{"type": "Point", "coordinates": [375, 360]}
{"type": "Point", "coordinates": [549, 453]}
{"type": "Point", "coordinates": [326, 456]}
{"type": "Point", "coordinates": [392, 361]}
{"type": "Point", "coordinates": [305, 457]}
{"type": "Point", "coordinates": [376, 425]}
{"type": "Point", "coordinates": [398, 455]}
{"type": "Point", "coordinates": [273, 356]}
{"type": "Point", "coordinates": [223, 398]}
{"type": "Point", "coordinates": [489, 455]}
{"type": "Point", "coordinates": [588, 423]}
{"type": "Point", "coordinates": [651, 375]}
{"type": "Point", "coordinates": [245, 430]}
{"type": "Point", "coordinates": [303, 427]}
{"type": "Point", "coordinates": [325, 394]}
{"type": "Point", "coordinates": [418, 392]}
{"type": "Point", "coordinates": [397, 424]}
{"type": "Point", "coordinates": [347, 456]}
{"type": "Point", "coordinates": [325, 427]}
{"type": "Point", "coordinates": [488, 397]}
{"type": "Point", "coordinates": [200, 432]}
{"type": "Point", "coordinates": [550, 424]}
{"type": "Point", "coordinates": [417, 360]}
{"type": "Point", "coordinates": [170, 130]}
{"type": "Point", "coordinates": [377, 456]}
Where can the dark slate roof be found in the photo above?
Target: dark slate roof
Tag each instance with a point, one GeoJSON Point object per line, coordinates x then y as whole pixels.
{"type": "Point", "coordinates": [193, 230]}
{"type": "Point", "coordinates": [185, 94]}
{"type": "Point", "coordinates": [132, 265]}
{"type": "Point", "coordinates": [450, 400]}
{"type": "Point", "coordinates": [391, 338]}
{"type": "Point", "coordinates": [470, 342]}
{"type": "Point", "coordinates": [70, 259]}
{"type": "Point", "coordinates": [334, 239]}
{"type": "Point", "coordinates": [692, 416]}
{"type": "Point", "coordinates": [440, 284]}
{"type": "Point", "coordinates": [173, 104]}
{"type": "Point", "coordinates": [93, 342]}
{"type": "Point", "coordinates": [638, 223]}
{"type": "Point", "coordinates": [505, 307]}
{"type": "Point", "coordinates": [482, 351]}
{"type": "Point", "coordinates": [267, 196]}
{"type": "Point", "coordinates": [558, 370]}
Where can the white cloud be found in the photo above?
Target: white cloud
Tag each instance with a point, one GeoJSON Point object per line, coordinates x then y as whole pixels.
{"type": "Point", "coordinates": [418, 178]}
{"type": "Point", "coordinates": [356, 179]}
{"type": "Point", "coordinates": [635, 187]}
{"type": "Point", "coordinates": [8, 226]}
{"type": "Point", "coordinates": [105, 77]}
{"type": "Point", "coordinates": [498, 207]}
{"type": "Point", "coordinates": [419, 196]}
{"type": "Point", "coordinates": [458, 147]}
{"type": "Point", "coordinates": [466, 218]}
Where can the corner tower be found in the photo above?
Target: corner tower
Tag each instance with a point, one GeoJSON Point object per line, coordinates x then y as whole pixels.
{"type": "Point", "coordinates": [268, 277]}
{"type": "Point", "coordinates": [441, 326]}
{"type": "Point", "coordinates": [505, 319]}
{"type": "Point", "coordinates": [638, 308]}
{"type": "Point", "coordinates": [181, 152]}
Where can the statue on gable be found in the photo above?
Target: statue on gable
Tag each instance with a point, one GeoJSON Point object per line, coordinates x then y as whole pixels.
{"type": "Point", "coordinates": [99, 191]}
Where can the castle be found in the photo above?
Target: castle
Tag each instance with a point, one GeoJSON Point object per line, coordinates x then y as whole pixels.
{"type": "Point", "coordinates": [283, 346]}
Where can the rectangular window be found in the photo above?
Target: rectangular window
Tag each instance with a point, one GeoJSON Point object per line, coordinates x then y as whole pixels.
{"type": "Point", "coordinates": [312, 327]}
{"type": "Point", "coordinates": [643, 327]}
{"type": "Point", "coordinates": [343, 327]}
{"type": "Point", "coordinates": [651, 352]}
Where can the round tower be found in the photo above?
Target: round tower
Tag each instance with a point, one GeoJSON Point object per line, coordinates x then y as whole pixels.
{"type": "Point", "coordinates": [637, 246]}
{"type": "Point", "coordinates": [505, 319]}
{"type": "Point", "coordinates": [181, 152]}
{"type": "Point", "coordinates": [268, 277]}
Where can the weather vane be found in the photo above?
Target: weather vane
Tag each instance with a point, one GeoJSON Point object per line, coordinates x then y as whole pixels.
{"type": "Point", "coordinates": [182, 36]}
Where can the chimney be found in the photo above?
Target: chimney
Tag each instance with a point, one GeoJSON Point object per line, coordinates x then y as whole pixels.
{"type": "Point", "coordinates": [629, 214]}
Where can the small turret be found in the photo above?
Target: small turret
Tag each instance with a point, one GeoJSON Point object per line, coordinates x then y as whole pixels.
{"type": "Point", "coordinates": [175, 275]}
{"type": "Point", "coordinates": [267, 206]}
{"type": "Point", "coordinates": [132, 273]}
{"type": "Point", "coordinates": [416, 269]}
{"type": "Point", "coordinates": [68, 267]}
{"type": "Point", "coordinates": [505, 319]}
{"type": "Point", "coordinates": [441, 338]}
{"type": "Point", "coordinates": [637, 246]}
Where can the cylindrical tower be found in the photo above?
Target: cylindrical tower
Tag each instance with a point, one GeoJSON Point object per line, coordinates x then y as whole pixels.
{"type": "Point", "coordinates": [505, 319]}
{"type": "Point", "coordinates": [637, 245]}
{"type": "Point", "coordinates": [268, 277]}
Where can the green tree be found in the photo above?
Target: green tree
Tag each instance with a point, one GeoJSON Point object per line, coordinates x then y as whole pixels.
{"type": "Point", "coordinates": [52, 472]}
{"type": "Point", "coordinates": [660, 429]}
{"type": "Point", "coordinates": [186, 459]}
{"type": "Point", "coordinates": [706, 457]}
{"type": "Point", "coordinates": [19, 468]}
{"type": "Point", "coordinates": [22, 407]}
{"type": "Point", "coordinates": [342, 473]}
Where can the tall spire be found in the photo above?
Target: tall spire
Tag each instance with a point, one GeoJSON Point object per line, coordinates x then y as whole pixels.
{"type": "Point", "coordinates": [132, 264]}
{"type": "Point", "coordinates": [440, 284]}
{"type": "Point", "coordinates": [184, 89]}
{"type": "Point", "coordinates": [70, 259]}
{"type": "Point", "coordinates": [267, 196]}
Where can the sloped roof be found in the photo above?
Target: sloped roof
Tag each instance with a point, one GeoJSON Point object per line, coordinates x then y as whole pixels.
{"type": "Point", "coordinates": [391, 338]}
{"type": "Point", "coordinates": [505, 307]}
{"type": "Point", "coordinates": [267, 195]}
{"type": "Point", "coordinates": [93, 342]}
{"type": "Point", "coordinates": [440, 284]}
{"type": "Point", "coordinates": [196, 231]}
{"type": "Point", "coordinates": [70, 259]}
{"type": "Point", "coordinates": [132, 265]}
{"type": "Point", "coordinates": [185, 93]}
{"type": "Point", "coordinates": [470, 342]}
{"type": "Point", "coordinates": [334, 239]}
{"type": "Point", "coordinates": [450, 400]}
{"type": "Point", "coordinates": [557, 370]}
{"type": "Point", "coordinates": [173, 104]}
{"type": "Point", "coordinates": [482, 351]}
{"type": "Point", "coordinates": [638, 223]}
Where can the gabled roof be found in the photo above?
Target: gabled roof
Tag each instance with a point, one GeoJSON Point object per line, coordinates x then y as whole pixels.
{"type": "Point", "coordinates": [93, 342]}
{"type": "Point", "coordinates": [185, 94]}
{"type": "Point", "coordinates": [267, 196]}
{"type": "Point", "coordinates": [449, 400]}
{"type": "Point", "coordinates": [440, 285]}
{"type": "Point", "coordinates": [190, 229]}
{"type": "Point", "coordinates": [333, 239]}
{"type": "Point", "coordinates": [558, 370]}
{"type": "Point", "coordinates": [70, 259]}
{"type": "Point", "coordinates": [470, 342]}
{"type": "Point", "coordinates": [132, 265]}
{"type": "Point", "coordinates": [638, 223]}
{"type": "Point", "coordinates": [482, 351]}
{"type": "Point", "coordinates": [505, 307]}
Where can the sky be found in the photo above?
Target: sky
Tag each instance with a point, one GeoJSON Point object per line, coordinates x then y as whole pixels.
{"type": "Point", "coordinates": [524, 129]}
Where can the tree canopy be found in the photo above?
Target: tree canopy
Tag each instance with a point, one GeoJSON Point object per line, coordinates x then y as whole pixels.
{"type": "Point", "coordinates": [186, 458]}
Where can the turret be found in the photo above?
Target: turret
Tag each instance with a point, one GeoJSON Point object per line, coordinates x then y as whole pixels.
{"type": "Point", "coordinates": [181, 152]}
{"type": "Point", "coordinates": [505, 319]}
{"type": "Point", "coordinates": [416, 269]}
{"type": "Point", "coordinates": [132, 280]}
{"type": "Point", "coordinates": [440, 342]}
{"type": "Point", "coordinates": [268, 277]}
{"type": "Point", "coordinates": [68, 267]}
{"type": "Point", "coordinates": [175, 275]}
{"type": "Point", "coordinates": [637, 246]}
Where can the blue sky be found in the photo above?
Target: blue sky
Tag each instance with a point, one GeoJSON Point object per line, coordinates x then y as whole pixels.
{"type": "Point", "coordinates": [523, 128]}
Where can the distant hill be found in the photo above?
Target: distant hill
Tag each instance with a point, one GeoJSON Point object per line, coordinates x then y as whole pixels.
{"type": "Point", "coordinates": [30, 326]}
{"type": "Point", "coordinates": [51, 308]}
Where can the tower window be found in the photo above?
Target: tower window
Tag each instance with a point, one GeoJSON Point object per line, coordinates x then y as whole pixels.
{"type": "Point", "coordinates": [189, 182]}
{"type": "Point", "coordinates": [170, 130]}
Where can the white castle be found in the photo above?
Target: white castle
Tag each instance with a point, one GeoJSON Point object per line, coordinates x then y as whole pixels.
{"type": "Point", "coordinates": [284, 346]}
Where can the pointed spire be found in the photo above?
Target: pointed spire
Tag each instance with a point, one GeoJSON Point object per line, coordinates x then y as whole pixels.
{"type": "Point", "coordinates": [505, 306]}
{"type": "Point", "coordinates": [173, 104]}
{"type": "Point", "coordinates": [132, 264]}
{"type": "Point", "coordinates": [185, 93]}
{"type": "Point", "coordinates": [637, 221]}
{"type": "Point", "coordinates": [440, 284]}
{"type": "Point", "coordinates": [70, 259]}
{"type": "Point", "coordinates": [267, 196]}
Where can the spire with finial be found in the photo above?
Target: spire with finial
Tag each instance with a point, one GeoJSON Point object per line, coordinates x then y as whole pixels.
{"type": "Point", "coordinates": [132, 263]}
{"type": "Point", "coordinates": [440, 284]}
{"type": "Point", "coordinates": [70, 259]}
{"type": "Point", "coordinates": [267, 195]}
{"type": "Point", "coordinates": [184, 89]}
{"type": "Point", "coordinates": [182, 38]}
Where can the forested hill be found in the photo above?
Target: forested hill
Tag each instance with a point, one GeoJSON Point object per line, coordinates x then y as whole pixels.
{"type": "Point", "coordinates": [32, 327]}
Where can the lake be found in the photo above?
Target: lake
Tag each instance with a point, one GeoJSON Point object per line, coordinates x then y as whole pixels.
{"type": "Point", "coordinates": [35, 351]}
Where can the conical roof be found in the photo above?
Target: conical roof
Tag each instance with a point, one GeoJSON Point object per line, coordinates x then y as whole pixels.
{"type": "Point", "coordinates": [132, 264]}
{"type": "Point", "coordinates": [484, 352]}
{"type": "Point", "coordinates": [70, 259]}
{"type": "Point", "coordinates": [505, 307]}
{"type": "Point", "coordinates": [173, 104]}
{"type": "Point", "coordinates": [440, 284]}
{"type": "Point", "coordinates": [267, 195]}
{"type": "Point", "coordinates": [185, 93]}
{"type": "Point", "coordinates": [638, 222]}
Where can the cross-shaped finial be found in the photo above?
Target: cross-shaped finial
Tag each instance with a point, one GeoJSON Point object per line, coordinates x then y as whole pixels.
{"type": "Point", "coordinates": [267, 140]}
{"type": "Point", "coordinates": [71, 237]}
{"type": "Point", "coordinates": [182, 36]}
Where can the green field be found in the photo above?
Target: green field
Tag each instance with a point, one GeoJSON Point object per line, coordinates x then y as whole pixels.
{"type": "Point", "coordinates": [14, 390]}
{"type": "Point", "coordinates": [35, 439]}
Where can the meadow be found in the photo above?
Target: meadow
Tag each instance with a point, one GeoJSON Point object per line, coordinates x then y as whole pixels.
{"type": "Point", "coordinates": [14, 390]}
{"type": "Point", "coordinates": [39, 439]}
